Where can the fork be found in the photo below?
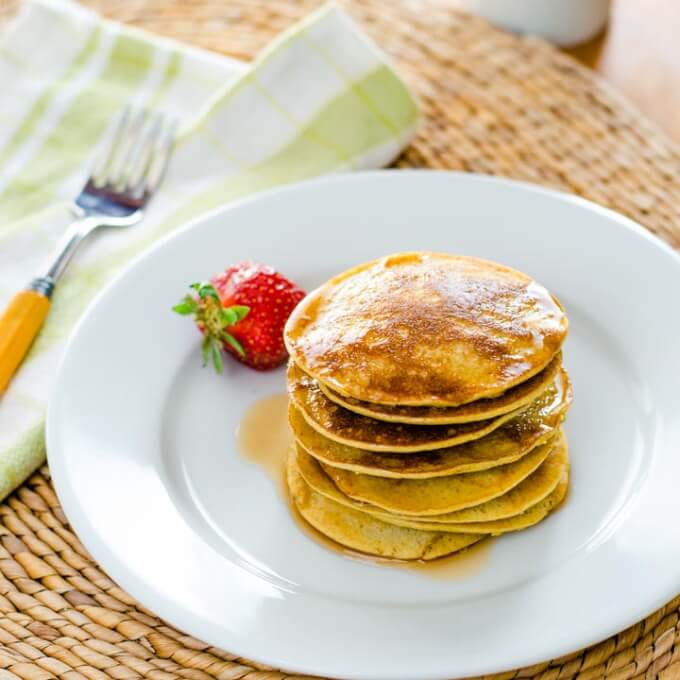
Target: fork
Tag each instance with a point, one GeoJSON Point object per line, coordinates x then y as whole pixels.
{"type": "Point", "coordinates": [125, 175]}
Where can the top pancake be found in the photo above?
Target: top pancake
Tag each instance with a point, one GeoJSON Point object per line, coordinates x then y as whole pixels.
{"type": "Point", "coordinates": [426, 329]}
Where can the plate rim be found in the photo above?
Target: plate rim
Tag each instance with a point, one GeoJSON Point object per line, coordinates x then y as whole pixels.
{"type": "Point", "coordinates": [98, 548]}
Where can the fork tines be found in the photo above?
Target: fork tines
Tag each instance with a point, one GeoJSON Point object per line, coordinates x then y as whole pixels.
{"type": "Point", "coordinates": [133, 160]}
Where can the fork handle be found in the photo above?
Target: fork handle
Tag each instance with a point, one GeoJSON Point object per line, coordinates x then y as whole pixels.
{"type": "Point", "coordinates": [19, 326]}
{"type": "Point", "coordinates": [25, 314]}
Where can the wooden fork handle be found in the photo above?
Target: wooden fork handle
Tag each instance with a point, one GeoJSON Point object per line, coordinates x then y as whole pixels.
{"type": "Point", "coordinates": [19, 326]}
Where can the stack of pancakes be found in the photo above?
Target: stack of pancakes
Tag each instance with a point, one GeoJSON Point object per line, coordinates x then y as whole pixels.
{"type": "Point", "coordinates": [426, 401]}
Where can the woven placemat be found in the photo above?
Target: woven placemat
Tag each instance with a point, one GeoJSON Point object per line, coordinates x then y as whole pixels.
{"type": "Point", "coordinates": [492, 103]}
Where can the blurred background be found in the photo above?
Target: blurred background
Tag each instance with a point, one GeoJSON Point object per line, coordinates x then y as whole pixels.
{"type": "Point", "coordinates": [638, 51]}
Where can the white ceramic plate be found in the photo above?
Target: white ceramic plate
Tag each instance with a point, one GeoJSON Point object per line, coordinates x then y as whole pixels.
{"type": "Point", "coordinates": [142, 447]}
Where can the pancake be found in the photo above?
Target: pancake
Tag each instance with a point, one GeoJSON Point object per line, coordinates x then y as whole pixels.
{"type": "Point", "coordinates": [535, 514]}
{"type": "Point", "coordinates": [505, 445]}
{"type": "Point", "coordinates": [436, 495]}
{"type": "Point", "coordinates": [528, 493]}
{"type": "Point", "coordinates": [426, 329]}
{"type": "Point", "coordinates": [481, 409]}
{"type": "Point", "coordinates": [345, 427]}
{"type": "Point", "coordinates": [360, 531]}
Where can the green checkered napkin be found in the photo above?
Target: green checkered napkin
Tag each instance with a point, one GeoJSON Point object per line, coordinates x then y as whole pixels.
{"type": "Point", "coordinates": [320, 99]}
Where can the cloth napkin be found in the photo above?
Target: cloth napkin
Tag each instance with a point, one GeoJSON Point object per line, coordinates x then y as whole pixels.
{"type": "Point", "coordinates": [322, 98]}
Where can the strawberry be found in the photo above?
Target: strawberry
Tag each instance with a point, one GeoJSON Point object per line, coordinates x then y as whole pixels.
{"type": "Point", "coordinates": [243, 311]}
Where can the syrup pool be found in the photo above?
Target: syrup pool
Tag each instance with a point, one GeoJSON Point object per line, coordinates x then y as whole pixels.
{"type": "Point", "coordinates": [264, 438]}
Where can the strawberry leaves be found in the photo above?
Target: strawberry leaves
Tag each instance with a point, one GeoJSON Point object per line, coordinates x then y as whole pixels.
{"type": "Point", "coordinates": [233, 342]}
{"type": "Point", "coordinates": [211, 349]}
{"type": "Point", "coordinates": [232, 315]}
{"type": "Point", "coordinates": [212, 319]}
{"type": "Point", "coordinates": [187, 306]}
{"type": "Point", "coordinates": [205, 289]}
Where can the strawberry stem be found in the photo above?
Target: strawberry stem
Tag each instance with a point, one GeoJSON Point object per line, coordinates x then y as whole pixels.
{"type": "Point", "coordinates": [213, 319]}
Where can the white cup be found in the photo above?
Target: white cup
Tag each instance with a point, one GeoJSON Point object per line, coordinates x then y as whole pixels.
{"type": "Point", "coordinates": [563, 22]}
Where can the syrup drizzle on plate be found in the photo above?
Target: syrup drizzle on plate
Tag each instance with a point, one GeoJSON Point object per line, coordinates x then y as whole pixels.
{"type": "Point", "coordinates": [264, 439]}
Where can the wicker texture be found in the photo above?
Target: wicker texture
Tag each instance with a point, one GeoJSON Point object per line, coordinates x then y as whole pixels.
{"type": "Point", "coordinates": [492, 103]}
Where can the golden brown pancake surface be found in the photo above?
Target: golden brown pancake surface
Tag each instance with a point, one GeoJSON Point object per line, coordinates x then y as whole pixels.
{"type": "Point", "coordinates": [436, 495]}
{"type": "Point", "coordinates": [426, 329]}
{"type": "Point", "coordinates": [360, 531]}
{"type": "Point", "coordinates": [508, 443]}
{"type": "Point", "coordinates": [352, 429]}
{"type": "Point", "coordinates": [528, 493]}
{"type": "Point", "coordinates": [482, 409]}
{"type": "Point", "coordinates": [520, 498]}
{"type": "Point", "coordinates": [533, 515]}
{"type": "Point", "coordinates": [523, 506]}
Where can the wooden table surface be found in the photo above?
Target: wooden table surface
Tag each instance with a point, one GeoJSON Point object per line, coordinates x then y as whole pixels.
{"type": "Point", "coordinates": [639, 53]}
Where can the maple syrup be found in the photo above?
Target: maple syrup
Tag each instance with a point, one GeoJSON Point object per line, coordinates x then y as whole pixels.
{"type": "Point", "coordinates": [264, 438]}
